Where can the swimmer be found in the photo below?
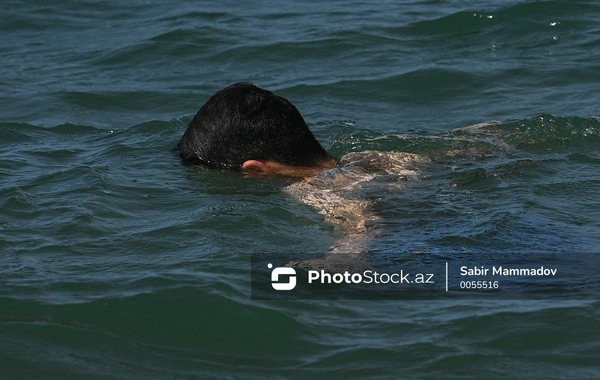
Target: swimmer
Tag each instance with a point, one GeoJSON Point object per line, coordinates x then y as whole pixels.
{"type": "Point", "coordinates": [251, 130]}
{"type": "Point", "coordinates": [248, 129]}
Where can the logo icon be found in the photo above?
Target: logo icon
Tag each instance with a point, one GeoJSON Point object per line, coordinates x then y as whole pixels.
{"type": "Point", "coordinates": [282, 271]}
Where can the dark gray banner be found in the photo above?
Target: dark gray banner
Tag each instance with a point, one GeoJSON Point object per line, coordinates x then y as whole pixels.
{"type": "Point", "coordinates": [509, 276]}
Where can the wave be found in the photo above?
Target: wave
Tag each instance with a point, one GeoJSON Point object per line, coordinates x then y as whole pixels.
{"type": "Point", "coordinates": [538, 14]}
{"type": "Point", "coordinates": [542, 133]}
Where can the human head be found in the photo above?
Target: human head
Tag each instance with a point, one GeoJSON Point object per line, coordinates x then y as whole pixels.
{"type": "Point", "coordinates": [244, 127]}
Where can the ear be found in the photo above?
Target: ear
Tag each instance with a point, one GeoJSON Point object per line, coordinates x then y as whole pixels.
{"type": "Point", "coordinates": [255, 165]}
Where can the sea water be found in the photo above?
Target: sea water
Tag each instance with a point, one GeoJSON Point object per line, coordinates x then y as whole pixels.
{"type": "Point", "coordinates": [118, 262]}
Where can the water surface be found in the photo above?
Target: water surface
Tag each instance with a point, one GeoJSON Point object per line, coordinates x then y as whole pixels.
{"type": "Point", "coordinates": [118, 262]}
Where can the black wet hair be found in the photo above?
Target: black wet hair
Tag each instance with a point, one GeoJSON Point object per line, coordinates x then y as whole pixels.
{"type": "Point", "coordinates": [244, 122]}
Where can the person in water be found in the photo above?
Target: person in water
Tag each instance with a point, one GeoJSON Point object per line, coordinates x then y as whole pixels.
{"type": "Point", "coordinates": [248, 129]}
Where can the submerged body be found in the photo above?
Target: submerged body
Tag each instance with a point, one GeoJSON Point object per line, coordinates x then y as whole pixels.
{"type": "Point", "coordinates": [333, 192]}
{"type": "Point", "coordinates": [339, 194]}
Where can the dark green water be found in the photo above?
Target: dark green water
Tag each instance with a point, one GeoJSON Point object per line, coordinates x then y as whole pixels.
{"type": "Point", "coordinates": [118, 262]}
